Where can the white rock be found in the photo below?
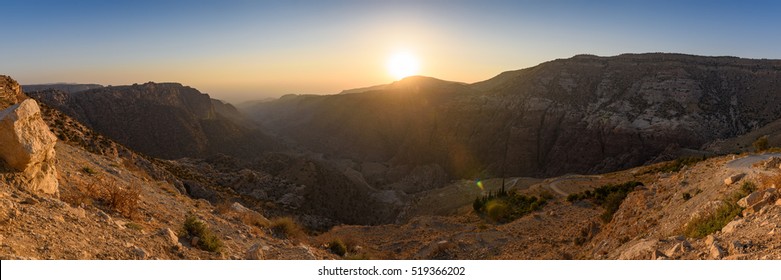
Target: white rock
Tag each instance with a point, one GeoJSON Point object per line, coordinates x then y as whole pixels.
{"type": "Point", "coordinates": [27, 145]}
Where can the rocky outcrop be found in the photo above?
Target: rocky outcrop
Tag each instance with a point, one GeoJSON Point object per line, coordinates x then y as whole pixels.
{"type": "Point", "coordinates": [27, 146]}
{"type": "Point", "coordinates": [10, 92]}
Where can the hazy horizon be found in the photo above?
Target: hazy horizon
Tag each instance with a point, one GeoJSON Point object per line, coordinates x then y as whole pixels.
{"type": "Point", "coordinates": [239, 50]}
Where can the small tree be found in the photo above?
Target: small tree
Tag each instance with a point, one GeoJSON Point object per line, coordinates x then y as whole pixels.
{"type": "Point", "coordinates": [761, 144]}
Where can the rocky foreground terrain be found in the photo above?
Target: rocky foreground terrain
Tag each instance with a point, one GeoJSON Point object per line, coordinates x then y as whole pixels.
{"type": "Point", "coordinates": [83, 175]}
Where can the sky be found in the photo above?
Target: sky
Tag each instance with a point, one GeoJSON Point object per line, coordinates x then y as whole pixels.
{"type": "Point", "coordinates": [249, 50]}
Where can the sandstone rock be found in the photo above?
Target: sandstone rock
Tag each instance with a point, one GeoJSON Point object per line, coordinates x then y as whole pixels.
{"type": "Point", "coordinates": [640, 251]}
{"type": "Point", "coordinates": [674, 251]}
{"type": "Point", "coordinates": [8, 210]}
{"type": "Point", "coordinates": [255, 252]}
{"type": "Point", "coordinates": [139, 252]}
{"type": "Point", "coordinates": [734, 178]}
{"type": "Point", "coordinates": [710, 239]}
{"type": "Point", "coordinates": [194, 241]}
{"type": "Point", "coordinates": [170, 236]}
{"type": "Point", "coordinates": [750, 199]}
{"type": "Point", "coordinates": [27, 145]}
{"type": "Point", "coordinates": [238, 208]}
{"type": "Point", "coordinates": [716, 251]}
{"type": "Point", "coordinates": [772, 162]}
{"type": "Point", "coordinates": [658, 255]}
{"type": "Point", "coordinates": [732, 226]}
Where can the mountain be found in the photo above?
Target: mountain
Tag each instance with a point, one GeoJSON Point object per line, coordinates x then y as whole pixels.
{"type": "Point", "coordinates": [65, 87]}
{"type": "Point", "coordinates": [585, 114]}
{"type": "Point", "coordinates": [166, 120]}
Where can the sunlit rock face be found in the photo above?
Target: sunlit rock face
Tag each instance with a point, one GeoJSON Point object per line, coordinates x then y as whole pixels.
{"type": "Point", "coordinates": [586, 114]}
{"type": "Point", "coordinates": [27, 146]}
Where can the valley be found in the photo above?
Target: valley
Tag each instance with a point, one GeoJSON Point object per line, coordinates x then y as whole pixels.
{"type": "Point", "coordinates": [164, 171]}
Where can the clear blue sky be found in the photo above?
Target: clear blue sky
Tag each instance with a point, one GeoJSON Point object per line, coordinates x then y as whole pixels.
{"type": "Point", "coordinates": [241, 50]}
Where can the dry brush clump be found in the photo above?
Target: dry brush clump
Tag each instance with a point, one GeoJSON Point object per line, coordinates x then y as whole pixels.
{"type": "Point", "coordinates": [106, 194]}
{"type": "Point", "coordinates": [286, 228]}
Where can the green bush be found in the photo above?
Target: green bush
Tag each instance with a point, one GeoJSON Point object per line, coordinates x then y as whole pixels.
{"type": "Point", "coordinates": [207, 240]}
{"type": "Point", "coordinates": [675, 165]}
{"type": "Point", "coordinates": [708, 224]}
{"type": "Point", "coordinates": [715, 221]}
{"type": "Point", "coordinates": [608, 196]}
{"type": "Point", "coordinates": [504, 207]}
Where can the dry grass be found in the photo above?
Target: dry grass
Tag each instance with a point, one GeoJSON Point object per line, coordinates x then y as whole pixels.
{"type": "Point", "coordinates": [105, 194]}
{"type": "Point", "coordinates": [768, 181]}
{"type": "Point", "coordinates": [285, 227]}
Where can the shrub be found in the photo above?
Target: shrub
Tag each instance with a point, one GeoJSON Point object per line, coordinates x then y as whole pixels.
{"type": "Point", "coordinates": [123, 200]}
{"type": "Point", "coordinates": [686, 196]}
{"type": "Point", "coordinates": [707, 224]}
{"type": "Point", "coordinates": [608, 196]}
{"type": "Point", "coordinates": [504, 207]}
{"type": "Point", "coordinates": [207, 240]}
{"type": "Point", "coordinates": [337, 247]}
{"type": "Point", "coordinates": [285, 227]}
{"type": "Point", "coordinates": [760, 144]}
{"type": "Point", "coordinates": [675, 165]}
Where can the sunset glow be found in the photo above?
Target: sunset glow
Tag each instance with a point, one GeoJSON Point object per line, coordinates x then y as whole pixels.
{"type": "Point", "coordinates": [402, 65]}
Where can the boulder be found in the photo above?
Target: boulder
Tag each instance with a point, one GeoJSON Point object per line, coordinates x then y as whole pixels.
{"type": "Point", "coordinates": [27, 145]}
{"type": "Point", "coordinates": [734, 178]}
{"type": "Point", "coordinates": [170, 237]}
{"type": "Point", "coordinates": [732, 226]}
{"type": "Point", "coordinates": [716, 251]}
{"type": "Point", "coordinates": [772, 162]}
{"type": "Point", "coordinates": [256, 252]}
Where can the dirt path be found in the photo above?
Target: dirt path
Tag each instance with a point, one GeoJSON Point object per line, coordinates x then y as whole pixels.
{"type": "Point", "coordinates": [744, 163]}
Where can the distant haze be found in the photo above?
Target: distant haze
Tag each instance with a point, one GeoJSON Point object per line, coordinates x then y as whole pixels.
{"type": "Point", "coordinates": [246, 50]}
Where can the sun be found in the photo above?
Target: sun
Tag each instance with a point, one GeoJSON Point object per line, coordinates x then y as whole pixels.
{"type": "Point", "coordinates": [402, 65]}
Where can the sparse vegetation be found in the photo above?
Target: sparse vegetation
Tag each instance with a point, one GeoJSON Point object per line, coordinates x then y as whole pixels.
{"type": "Point", "coordinates": [675, 165]}
{"type": "Point", "coordinates": [761, 144]}
{"type": "Point", "coordinates": [710, 223]}
{"type": "Point", "coordinates": [88, 170]}
{"type": "Point", "coordinates": [337, 247]}
{"type": "Point", "coordinates": [207, 240]}
{"type": "Point", "coordinates": [134, 226]}
{"type": "Point", "coordinates": [285, 227]}
{"type": "Point", "coordinates": [106, 194]}
{"type": "Point", "coordinates": [504, 207]}
{"type": "Point", "coordinates": [608, 196]}
{"type": "Point", "coordinates": [686, 196]}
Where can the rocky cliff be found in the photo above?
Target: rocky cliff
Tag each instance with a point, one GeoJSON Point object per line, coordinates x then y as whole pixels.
{"type": "Point", "coordinates": [164, 120]}
{"type": "Point", "coordinates": [586, 114]}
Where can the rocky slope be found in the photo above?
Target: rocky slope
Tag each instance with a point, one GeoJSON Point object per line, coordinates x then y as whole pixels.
{"type": "Point", "coordinates": [111, 203]}
{"type": "Point", "coordinates": [651, 222]}
{"type": "Point", "coordinates": [164, 120]}
{"type": "Point", "coordinates": [619, 112]}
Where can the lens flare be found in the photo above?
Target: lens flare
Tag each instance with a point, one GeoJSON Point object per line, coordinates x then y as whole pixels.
{"type": "Point", "coordinates": [479, 184]}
